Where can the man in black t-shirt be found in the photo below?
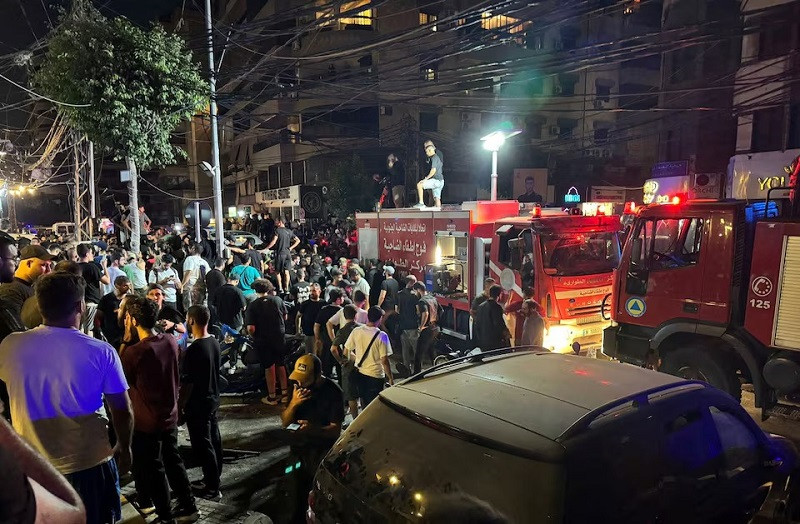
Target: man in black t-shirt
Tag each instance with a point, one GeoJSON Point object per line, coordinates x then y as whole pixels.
{"type": "Point", "coordinates": [215, 278]}
{"type": "Point", "coordinates": [230, 303]}
{"type": "Point", "coordinates": [387, 300]}
{"type": "Point", "coordinates": [307, 315]}
{"type": "Point", "coordinates": [409, 321]}
{"type": "Point", "coordinates": [322, 340]}
{"type": "Point", "coordinates": [198, 401]}
{"type": "Point", "coordinates": [483, 297]}
{"type": "Point", "coordinates": [283, 242]}
{"type": "Point", "coordinates": [265, 319]}
{"type": "Point", "coordinates": [108, 312]}
{"type": "Point", "coordinates": [315, 414]}
{"type": "Point", "coordinates": [94, 275]}
{"type": "Point", "coordinates": [302, 289]}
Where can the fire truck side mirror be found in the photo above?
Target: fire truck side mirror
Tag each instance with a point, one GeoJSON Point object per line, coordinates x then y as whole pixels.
{"type": "Point", "coordinates": [636, 251]}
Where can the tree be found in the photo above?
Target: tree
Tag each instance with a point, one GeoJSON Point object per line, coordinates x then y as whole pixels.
{"type": "Point", "coordinates": [139, 85]}
{"type": "Point", "coordinates": [351, 189]}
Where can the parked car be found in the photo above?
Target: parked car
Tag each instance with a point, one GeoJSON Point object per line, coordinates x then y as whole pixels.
{"type": "Point", "coordinates": [544, 437]}
{"type": "Point", "coordinates": [237, 238]}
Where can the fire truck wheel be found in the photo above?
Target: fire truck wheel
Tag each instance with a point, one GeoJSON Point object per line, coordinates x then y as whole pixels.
{"type": "Point", "coordinates": [695, 362]}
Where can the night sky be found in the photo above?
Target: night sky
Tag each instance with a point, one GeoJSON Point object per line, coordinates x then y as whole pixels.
{"type": "Point", "coordinates": [23, 22]}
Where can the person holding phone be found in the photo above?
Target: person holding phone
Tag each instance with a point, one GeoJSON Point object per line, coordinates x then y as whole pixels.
{"type": "Point", "coordinates": [167, 277]}
{"type": "Point", "coordinates": [314, 415]}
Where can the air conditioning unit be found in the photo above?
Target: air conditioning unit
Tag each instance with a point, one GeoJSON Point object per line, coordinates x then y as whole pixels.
{"type": "Point", "coordinates": [296, 45]}
{"type": "Point", "coordinates": [555, 130]}
{"type": "Point", "coordinates": [557, 89]}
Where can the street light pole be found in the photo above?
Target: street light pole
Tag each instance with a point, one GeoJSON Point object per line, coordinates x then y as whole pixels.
{"type": "Point", "coordinates": [492, 142]}
{"type": "Point", "coordinates": [212, 80]}
{"type": "Point", "coordinates": [494, 175]}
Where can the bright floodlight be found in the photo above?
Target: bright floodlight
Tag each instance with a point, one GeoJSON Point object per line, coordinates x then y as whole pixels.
{"type": "Point", "coordinates": [494, 141]}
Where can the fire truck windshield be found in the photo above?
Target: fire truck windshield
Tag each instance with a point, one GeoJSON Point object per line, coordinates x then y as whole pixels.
{"type": "Point", "coordinates": [579, 253]}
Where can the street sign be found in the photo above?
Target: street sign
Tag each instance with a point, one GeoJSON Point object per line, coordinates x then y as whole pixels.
{"type": "Point", "coordinates": [205, 214]}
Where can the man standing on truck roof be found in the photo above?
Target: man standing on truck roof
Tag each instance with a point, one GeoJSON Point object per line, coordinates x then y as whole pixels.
{"type": "Point", "coordinates": [434, 180]}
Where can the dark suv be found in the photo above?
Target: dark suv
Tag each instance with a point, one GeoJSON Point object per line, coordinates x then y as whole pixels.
{"type": "Point", "coordinates": [543, 437]}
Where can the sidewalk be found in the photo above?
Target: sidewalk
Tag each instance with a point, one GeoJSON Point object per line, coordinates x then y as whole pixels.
{"type": "Point", "coordinates": [253, 464]}
{"type": "Point", "coordinates": [210, 513]}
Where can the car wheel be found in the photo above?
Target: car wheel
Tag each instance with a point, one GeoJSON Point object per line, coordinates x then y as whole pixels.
{"type": "Point", "coordinates": [695, 362]}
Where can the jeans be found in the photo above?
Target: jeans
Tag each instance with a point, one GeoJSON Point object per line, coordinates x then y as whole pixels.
{"type": "Point", "coordinates": [155, 460]}
{"type": "Point", "coordinates": [88, 318]}
{"type": "Point", "coordinates": [426, 348]}
{"type": "Point", "coordinates": [206, 446]}
{"type": "Point", "coordinates": [408, 340]}
{"type": "Point", "coordinates": [98, 488]}
{"type": "Point", "coordinates": [308, 343]}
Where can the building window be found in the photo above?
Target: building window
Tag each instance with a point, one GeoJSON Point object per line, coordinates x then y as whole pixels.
{"type": "Point", "coordinates": [603, 93]}
{"type": "Point", "coordinates": [427, 19]}
{"type": "Point", "coordinates": [775, 40]}
{"type": "Point", "coordinates": [601, 135]}
{"type": "Point", "coordinates": [534, 129]}
{"type": "Point", "coordinates": [429, 73]}
{"type": "Point", "coordinates": [767, 130]}
{"type": "Point", "coordinates": [347, 14]}
{"type": "Point", "coordinates": [428, 122]}
{"type": "Point", "coordinates": [508, 24]}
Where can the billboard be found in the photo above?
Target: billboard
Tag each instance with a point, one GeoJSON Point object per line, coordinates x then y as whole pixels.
{"type": "Point", "coordinates": [751, 176]}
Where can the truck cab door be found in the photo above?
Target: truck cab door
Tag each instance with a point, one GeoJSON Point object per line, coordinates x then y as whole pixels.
{"type": "Point", "coordinates": [662, 279]}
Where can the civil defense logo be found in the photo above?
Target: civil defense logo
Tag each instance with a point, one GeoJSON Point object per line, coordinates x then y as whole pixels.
{"type": "Point", "coordinates": [635, 307]}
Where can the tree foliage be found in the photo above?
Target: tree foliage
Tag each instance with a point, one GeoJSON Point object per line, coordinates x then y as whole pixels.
{"type": "Point", "coordinates": [351, 189]}
{"type": "Point", "coordinates": [140, 84]}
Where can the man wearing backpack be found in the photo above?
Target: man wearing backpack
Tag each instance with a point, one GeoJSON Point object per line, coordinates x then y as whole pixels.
{"type": "Point", "coordinates": [370, 349]}
{"type": "Point", "coordinates": [428, 311]}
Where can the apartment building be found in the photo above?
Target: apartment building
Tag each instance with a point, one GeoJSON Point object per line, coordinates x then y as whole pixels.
{"type": "Point", "coordinates": [541, 68]}
{"type": "Point", "coordinates": [767, 99]}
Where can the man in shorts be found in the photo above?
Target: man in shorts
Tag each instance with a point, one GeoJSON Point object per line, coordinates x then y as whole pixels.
{"type": "Point", "coordinates": [348, 365]}
{"type": "Point", "coordinates": [434, 180]}
{"type": "Point", "coordinates": [265, 318]}
{"type": "Point", "coordinates": [283, 243]}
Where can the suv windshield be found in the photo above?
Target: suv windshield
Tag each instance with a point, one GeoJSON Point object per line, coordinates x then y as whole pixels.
{"type": "Point", "coordinates": [389, 468]}
{"type": "Point", "coordinates": [575, 254]}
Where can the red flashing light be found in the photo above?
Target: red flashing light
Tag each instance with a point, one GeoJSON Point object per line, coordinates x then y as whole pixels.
{"type": "Point", "coordinates": [676, 200]}
{"type": "Point", "coordinates": [630, 208]}
{"type": "Point", "coordinates": [536, 212]}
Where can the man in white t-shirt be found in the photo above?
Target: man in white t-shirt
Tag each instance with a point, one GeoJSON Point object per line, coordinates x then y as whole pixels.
{"type": "Point", "coordinates": [369, 347]}
{"type": "Point", "coordinates": [338, 320]}
{"type": "Point", "coordinates": [57, 379]}
{"type": "Point", "coordinates": [167, 277]}
{"type": "Point", "coordinates": [194, 271]}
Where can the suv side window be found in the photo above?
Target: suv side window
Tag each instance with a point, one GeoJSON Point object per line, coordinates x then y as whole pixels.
{"type": "Point", "coordinates": [688, 450]}
{"type": "Point", "coordinates": [740, 448]}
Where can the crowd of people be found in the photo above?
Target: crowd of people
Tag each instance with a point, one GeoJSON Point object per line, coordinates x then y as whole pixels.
{"type": "Point", "coordinates": [106, 352]}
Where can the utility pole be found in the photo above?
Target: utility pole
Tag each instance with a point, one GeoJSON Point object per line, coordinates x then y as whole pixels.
{"type": "Point", "coordinates": [212, 80]}
{"type": "Point", "coordinates": [133, 204]}
{"type": "Point", "coordinates": [76, 212]}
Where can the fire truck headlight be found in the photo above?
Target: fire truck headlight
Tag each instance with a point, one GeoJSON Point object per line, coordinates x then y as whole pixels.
{"type": "Point", "coordinates": [559, 339]}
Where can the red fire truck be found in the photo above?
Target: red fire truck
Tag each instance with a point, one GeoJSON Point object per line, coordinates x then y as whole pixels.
{"type": "Point", "coordinates": [566, 258]}
{"type": "Point", "coordinates": [711, 290]}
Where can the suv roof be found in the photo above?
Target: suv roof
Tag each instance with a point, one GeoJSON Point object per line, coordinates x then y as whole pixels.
{"type": "Point", "coordinates": [523, 401]}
